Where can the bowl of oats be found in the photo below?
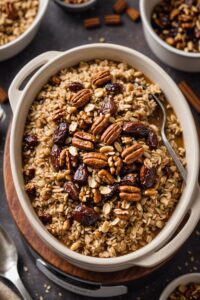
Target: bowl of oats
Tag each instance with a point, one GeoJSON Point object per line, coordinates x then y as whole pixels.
{"type": "Point", "coordinates": [88, 163]}
{"type": "Point", "coordinates": [76, 6]}
{"type": "Point", "coordinates": [172, 31]}
{"type": "Point", "coordinates": [20, 21]}
{"type": "Point", "coordinates": [185, 287]}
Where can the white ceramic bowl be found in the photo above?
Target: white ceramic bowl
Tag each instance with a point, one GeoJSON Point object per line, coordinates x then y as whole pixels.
{"type": "Point", "coordinates": [178, 59]}
{"type": "Point", "coordinates": [13, 48]}
{"type": "Point", "coordinates": [161, 247]}
{"type": "Point", "coordinates": [184, 279]}
{"type": "Point", "coordinates": [76, 8]}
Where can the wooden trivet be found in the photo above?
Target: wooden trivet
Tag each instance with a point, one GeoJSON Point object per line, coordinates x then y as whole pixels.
{"type": "Point", "coordinates": [48, 255]}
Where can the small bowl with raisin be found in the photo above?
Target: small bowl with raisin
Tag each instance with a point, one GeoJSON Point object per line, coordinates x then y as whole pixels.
{"type": "Point", "coordinates": [172, 31]}
{"type": "Point", "coordinates": [76, 6]}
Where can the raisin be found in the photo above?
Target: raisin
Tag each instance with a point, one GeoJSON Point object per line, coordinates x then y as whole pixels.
{"type": "Point", "coordinates": [130, 179]}
{"type": "Point", "coordinates": [61, 133]}
{"type": "Point", "coordinates": [72, 190]}
{"type": "Point", "coordinates": [29, 174]}
{"type": "Point", "coordinates": [108, 106]}
{"type": "Point", "coordinates": [55, 157]}
{"type": "Point", "coordinates": [114, 191]}
{"type": "Point", "coordinates": [166, 171]}
{"type": "Point", "coordinates": [113, 88]}
{"type": "Point", "coordinates": [147, 177]}
{"type": "Point", "coordinates": [31, 141]}
{"type": "Point", "coordinates": [85, 215]}
{"type": "Point", "coordinates": [138, 130]}
{"type": "Point", "coordinates": [31, 190]}
{"type": "Point", "coordinates": [45, 218]}
{"type": "Point", "coordinates": [81, 174]}
{"type": "Point", "coordinates": [75, 86]}
{"type": "Point", "coordinates": [152, 139]}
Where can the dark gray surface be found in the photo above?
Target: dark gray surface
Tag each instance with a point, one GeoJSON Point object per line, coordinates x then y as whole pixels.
{"type": "Point", "coordinates": [61, 31]}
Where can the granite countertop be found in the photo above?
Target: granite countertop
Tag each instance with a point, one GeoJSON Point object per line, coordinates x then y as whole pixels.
{"type": "Point", "coordinates": [62, 31]}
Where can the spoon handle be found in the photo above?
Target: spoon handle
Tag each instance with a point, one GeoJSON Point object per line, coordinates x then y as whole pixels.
{"type": "Point", "coordinates": [13, 276]}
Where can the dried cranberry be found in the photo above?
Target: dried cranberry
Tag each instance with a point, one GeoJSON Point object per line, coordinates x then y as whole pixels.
{"type": "Point", "coordinates": [152, 139]}
{"type": "Point", "coordinates": [81, 174]}
{"type": "Point", "coordinates": [55, 157]}
{"type": "Point", "coordinates": [108, 106]}
{"type": "Point", "coordinates": [45, 218]}
{"type": "Point", "coordinates": [147, 176]}
{"type": "Point", "coordinates": [61, 133]}
{"type": "Point", "coordinates": [85, 215]}
{"type": "Point", "coordinates": [31, 141]}
{"type": "Point", "coordinates": [75, 86]}
{"type": "Point", "coordinates": [72, 190]}
{"type": "Point", "coordinates": [113, 88]}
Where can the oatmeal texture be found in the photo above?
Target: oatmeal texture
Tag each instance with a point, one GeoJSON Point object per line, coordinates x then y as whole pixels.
{"type": "Point", "coordinates": [95, 168]}
{"type": "Point", "coordinates": [16, 16]}
{"type": "Point", "coordinates": [190, 291]}
{"type": "Point", "coordinates": [177, 22]}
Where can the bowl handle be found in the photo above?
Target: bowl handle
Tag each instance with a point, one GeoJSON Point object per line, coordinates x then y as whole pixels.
{"type": "Point", "coordinates": [15, 92]}
{"type": "Point", "coordinates": [177, 241]}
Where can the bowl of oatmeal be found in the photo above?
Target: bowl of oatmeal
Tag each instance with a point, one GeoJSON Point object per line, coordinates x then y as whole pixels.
{"type": "Point", "coordinates": [76, 6]}
{"type": "Point", "coordinates": [88, 163]}
{"type": "Point", "coordinates": [172, 32]}
{"type": "Point", "coordinates": [19, 23]}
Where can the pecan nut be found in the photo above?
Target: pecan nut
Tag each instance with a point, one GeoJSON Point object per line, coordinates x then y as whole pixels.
{"type": "Point", "coordinates": [132, 153]}
{"type": "Point", "coordinates": [58, 114]}
{"type": "Point", "coordinates": [81, 98]}
{"type": "Point", "coordinates": [11, 11]}
{"type": "Point", "coordinates": [115, 164]}
{"type": "Point", "coordinates": [96, 195]}
{"type": "Point", "coordinates": [100, 124]}
{"type": "Point", "coordinates": [64, 160]}
{"type": "Point", "coordinates": [106, 177]}
{"type": "Point", "coordinates": [95, 160]}
{"type": "Point", "coordinates": [83, 140]}
{"type": "Point", "coordinates": [130, 193]}
{"type": "Point", "coordinates": [101, 78]}
{"type": "Point", "coordinates": [111, 134]}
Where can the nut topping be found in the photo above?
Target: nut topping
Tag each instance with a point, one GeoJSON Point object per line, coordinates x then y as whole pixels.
{"type": "Point", "coordinates": [83, 140]}
{"type": "Point", "coordinates": [106, 177]}
{"type": "Point", "coordinates": [132, 153]}
{"type": "Point", "coordinates": [101, 78]}
{"type": "Point", "coordinates": [11, 11]}
{"type": "Point", "coordinates": [100, 124]}
{"type": "Point", "coordinates": [81, 98]}
{"type": "Point", "coordinates": [96, 195]}
{"type": "Point", "coordinates": [95, 160]}
{"type": "Point", "coordinates": [130, 193]}
{"type": "Point", "coordinates": [64, 160]}
{"type": "Point", "coordinates": [111, 134]}
{"type": "Point", "coordinates": [115, 163]}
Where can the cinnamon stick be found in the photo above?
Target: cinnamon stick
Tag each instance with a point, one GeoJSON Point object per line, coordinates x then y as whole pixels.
{"type": "Point", "coordinates": [190, 95]}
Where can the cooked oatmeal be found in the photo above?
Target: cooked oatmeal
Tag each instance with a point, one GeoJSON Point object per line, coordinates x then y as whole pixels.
{"type": "Point", "coordinates": [16, 16]}
{"type": "Point", "coordinates": [95, 169]}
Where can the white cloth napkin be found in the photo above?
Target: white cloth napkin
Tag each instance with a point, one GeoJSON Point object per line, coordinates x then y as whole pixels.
{"type": "Point", "coordinates": [6, 293]}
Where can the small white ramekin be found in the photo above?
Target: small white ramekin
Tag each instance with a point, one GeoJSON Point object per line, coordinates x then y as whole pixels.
{"type": "Point", "coordinates": [184, 279]}
{"type": "Point", "coordinates": [175, 58]}
{"type": "Point", "coordinates": [17, 45]}
{"type": "Point", "coordinates": [76, 8]}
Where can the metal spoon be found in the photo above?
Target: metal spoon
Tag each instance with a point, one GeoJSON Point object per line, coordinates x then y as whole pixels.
{"type": "Point", "coordinates": [8, 263]}
{"type": "Point", "coordinates": [175, 158]}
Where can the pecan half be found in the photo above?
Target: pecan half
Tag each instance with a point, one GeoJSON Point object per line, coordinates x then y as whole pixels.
{"type": "Point", "coordinates": [111, 134]}
{"type": "Point", "coordinates": [11, 11]}
{"type": "Point", "coordinates": [95, 160]}
{"type": "Point", "coordinates": [115, 164]}
{"type": "Point", "coordinates": [83, 140]}
{"type": "Point", "coordinates": [106, 177]}
{"type": "Point", "coordinates": [100, 124]}
{"type": "Point", "coordinates": [64, 160]}
{"type": "Point", "coordinates": [96, 195]}
{"type": "Point", "coordinates": [58, 114]}
{"type": "Point", "coordinates": [81, 98]}
{"type": "Point", "coordinates": [130, 193]}
{"type": "Point", "coordinates": [132, 153]}
{"type": "Point", "coordinates": [101, 78]}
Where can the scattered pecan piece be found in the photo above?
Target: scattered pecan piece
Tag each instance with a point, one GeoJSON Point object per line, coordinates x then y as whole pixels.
{"type": "Point", "coordinates": [55, 157]}
{"type": "Point", "coordinates": [75, 86]}
{"type": "Point", "coordinates": [130, 193]}
{"type": "Point", "coordinates": [133, 14]}
{"type": "Point", "coordinates": [115, 164]}
{"type": "Point", "coordinates": [61, 133]}
{"type": "Point", "coordinates": [92, 22]}
{"type": "Point", "coordinates": [55, 80]}
{"type": "Point", "coordinates": [81, 174]}
{"type": "Point", "coordinates": [71, 189]}
{"type": "Point", "coordinates": [132, 153]}
{"type": "Point", "coordinates": [85, 215]}
{"type": "Point", "coordinates": [58, 114]}
{"type": "Point", "coordinates": [81, 98]}
{"type": "Point", "coordinates": [121, 214]}
{"type": "Point", "coordinates": [111, 134]}
{"type": "Point", "coordinates": [84, 120]}
{"type": "Point", "coordinates": [83, 140]}
{"type": "Point", "coordinates": [101, 78]}
{"type": "Point", "coordinates": [147, 176]}
{"type": "Point", "coordinates": [108, 106]}
{"type": "Point", "coordinates": [120, 6]}
{"type": "Point", "coordinates": [96, 195]}
{"type": "Point", "coordinates": [112, 20]}
{"type": "Point", "coordinates": [106, 177]}
{"type": "Point", "coordinates": [95, 160]}
{"type": "Point", "coordinates": [64, 160]}
{"type": "Point", "coordinates": [11, 11]}
{"type": "Point", "coordinates": [100, 124]}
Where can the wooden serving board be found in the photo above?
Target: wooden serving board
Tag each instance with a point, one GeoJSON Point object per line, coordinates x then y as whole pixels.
{"type": "Point", "coordinates": [48, 255]}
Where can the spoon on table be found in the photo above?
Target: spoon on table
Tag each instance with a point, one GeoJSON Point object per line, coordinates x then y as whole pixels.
{"type": "Point", "coordinates": [171, 151]}
{"type": "Point", "coordinates": [8, 263]}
